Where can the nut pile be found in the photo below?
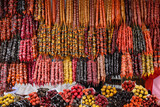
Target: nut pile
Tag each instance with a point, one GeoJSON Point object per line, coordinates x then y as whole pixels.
{"type": "Point", "coordinates": [108, 91]}
{"type": "Point", "coordinates": [101, 100]}
{"type": "Point", "coordinates": [34, 99]}
{"type": "Point", "coordinates": [140, 91]}
{"type": "Point", "coordinates": [128, 85]}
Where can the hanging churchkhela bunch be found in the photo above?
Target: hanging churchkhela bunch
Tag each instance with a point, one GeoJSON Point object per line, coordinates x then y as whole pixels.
{"type": "Point", "coordinates": [136, 16]}
{"type": "Point", "coordinates": [33, 47]}
{"type": "Point", "coordinates": [9, 50]}
{"type": "Point", "coordinates": [1, 9]}
{"type": "Point", "coordinates": [20, 6]}
{"type": "Point", "coordinates": [57, 35]}
{"type": "Point", "coordinates": [125, 46]}
{"type": "Point", "coordinates": [128, 12]}
{"type": "Point", "coordinates": [63, 29]}
{"type": "Point", "coordinates": [53, 40]}
{"type": "Point", "coordinates": [113, 59]}
{"type": "Point", "coordinates": [17, 73]}
{"type": "Point", "coordinates": [85, 25]}
{"type": "Point", "coordinates": [92, 73]}
{"type": "Point", "coordinates": [5, 29]}
{"type": "Point", "coordinates": [155, 34]}
{"type": "Point", "coordinates": [74, 68]}
{"type": "Point", "coordinates": [67, 67]}
{"type": "Point", "coordinates": [81, 38]}
{"type": "Point", "coordinates": [101, 28]}
{"type": "Point", "coordinates": [125, 39]}
{"type": "Point", "coordinates": [86, 72]}
{"type": "Point", "coordinates": [56, 72]}
{"type": "Point", "coordinates": [47, 36]}
{"type": "Point", "coordinates": [9, 22]}
{"type": "Point", "coordinates": [137, 64]}
{"type": "Point", "coordinates": [139, 47]}
{"type": "Point", "coordinates": [112, 64]}
{"type": "Point", "coordinates": [30, 70]}
{"type": "Point", "coordinates": [117, 12]}
{"type": "Point", "coordinates": [156, 46]}
{"type": "Point", "coordinates": [110, 23]}
{"type": "Point", "coordinates": [126, 66]}
{"type": "Point", "coordinates": [81, 71]}
{"type": "Point", "coordinates": [101, 75]}
{"type": "Point", "coordinates": [148, 54]}
{"type": "Point", "coordinates": [27, 50]}
{"type": "Point", "coordinates": [113, 41]}
{"type": "Point", "coordinates": [91, 33]}
{"type": "Point", "coordinates": [75, 33]}
{"type": "Point", "coordinates": [138, 40]}
{"type": "Point", "coordinates": [3, 75]}
{"type": "Point", "coordinates": [44, 32]}
{"type": "Point", "coordinates": [42, 69]}
{"type": "Point", "coordinates": [27, 27]}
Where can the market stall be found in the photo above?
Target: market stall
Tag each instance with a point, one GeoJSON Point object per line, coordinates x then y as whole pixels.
{"type": "Point", "coordinates": [79, 53]}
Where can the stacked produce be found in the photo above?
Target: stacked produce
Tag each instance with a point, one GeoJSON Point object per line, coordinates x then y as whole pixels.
{"type": "Point", "coordinates": [120, 98]}
{"type": "Point", "coordinates": [151, 100]}
{"type": "Point", "coordinates": [128, 85]}
{"type": "Point", "coordinates": [6, 100]}
{"type": "Point", "coordinates": [46, 99]}
{"type": "Point", "coordinates": [76, 102]}
{"type": "Point", "coordinates": [34, 99]}
{"type": "Point", "coordinates": [77, 91]}
{"type": "Point", "coordinates": [89, 91]}
{"type": "Point", "coordinates": [88, 100]}
{"type": "Point", "coordinates": [108, 91]}
{"type": "Point", "coordinates": [51, 93]}
{"type": "Point", "coordinates": [20, 103]}
{"type": "Point", "coordinates": [140, 91]}
{"type": "Point", "coordinates": [135, 102]}
{"type": "Point", "coordinates": [45, 102]}
{"type": "Point", "coordinates": [101, 100]}
{"type": "Point", "coordinates": [58, 101]}
{"type": "Point", "coordinates": [66, 95]}
{"type": "Point", "coordinates": [90, 97]}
